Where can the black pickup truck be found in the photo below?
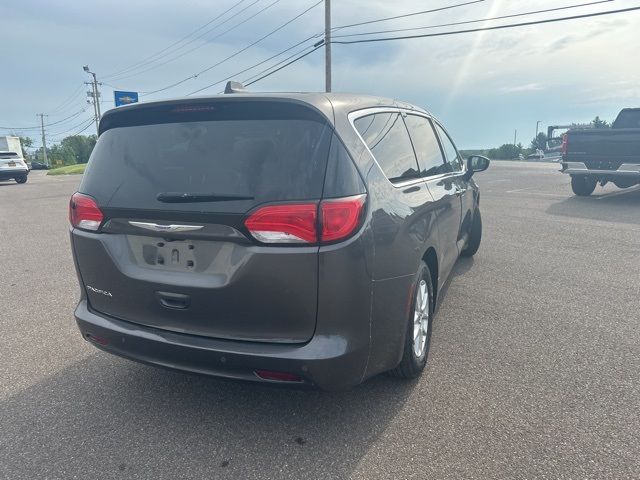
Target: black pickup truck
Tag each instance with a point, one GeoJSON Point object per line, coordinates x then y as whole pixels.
{"type": "Point", "coordinates": [593, 156]}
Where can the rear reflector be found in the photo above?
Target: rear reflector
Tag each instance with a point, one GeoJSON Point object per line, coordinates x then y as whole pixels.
{"type": "Point", "coordinates": [288, 223]}
{"type": "Point", "coordinates": [278, 376]}
{"type": "Point", "coordinates": [340, 217]}
{"type": "Point", "coordinates": [84, 212]}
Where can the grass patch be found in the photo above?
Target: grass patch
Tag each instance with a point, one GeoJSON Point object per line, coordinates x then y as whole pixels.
{"type": "Point", "coordinates": [68, 170]}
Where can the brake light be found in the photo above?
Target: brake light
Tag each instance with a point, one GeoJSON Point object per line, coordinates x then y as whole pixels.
{"type": "Point", "coordinates": [298, 222]}
{"type": "Point", "coordinates": [340, 217]}
{"type": "Point", "coordinates": [84, 212]}
{"type": "Point", "coordinates": [565, 143]}
{"type": "Point", "coordinates": [288, 223]}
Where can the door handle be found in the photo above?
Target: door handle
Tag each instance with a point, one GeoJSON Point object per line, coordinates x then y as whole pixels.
{"type": "Point", "coordinates": [175, 301]}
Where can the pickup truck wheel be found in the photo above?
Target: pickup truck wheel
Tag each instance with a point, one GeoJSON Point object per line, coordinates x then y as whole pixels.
{"type": "Point", "coordinates": [475, 235]}
{"type": "Point", "coordinates": [583, 186]}
{"type": "Point", "coordinates": [21, 179]}
{"type": "Point", "coordinates": [418, 334]}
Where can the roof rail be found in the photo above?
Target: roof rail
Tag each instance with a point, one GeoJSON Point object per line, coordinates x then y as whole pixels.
{"type": "Point", "coordinates": [234, 87]}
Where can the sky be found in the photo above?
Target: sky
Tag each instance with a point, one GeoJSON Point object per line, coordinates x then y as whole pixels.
{"type": "Point", "coordinates": [483, 86]}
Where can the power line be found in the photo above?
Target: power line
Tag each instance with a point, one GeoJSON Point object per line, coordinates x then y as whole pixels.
{"type": "Point", "coordinates": [238, 52]}
{"type": "Point", "coordinates": [38, 127]}
{"type": "Point", "coordinates": [88, 121]}
{"type": "Point", "coordinates": [473, 21]}
{"type": "Point", "coordinates": [205, 42]}
{"type": "Point", "coordinates": [245, 81]}
{"type": "Point", "coordinates": [423, 12]}
{"type": "Point", "coordinates": [232, 76]}
{"type": "Point", "coordinates": [482, 29]}
{"type": "Point", "coordinates": [72, 97]}
{"type": "Point", "coordinates": [284, 66]}
{"type": "Point", "coordinates": [144, 60]}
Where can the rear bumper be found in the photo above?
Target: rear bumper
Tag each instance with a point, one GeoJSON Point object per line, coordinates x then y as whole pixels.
{"type": "Point", "coordinates": [579, 168]}
{"type": "Point", "coordinates": [7, 174]}
{"type": "Point", "coordinates": [329, 362]}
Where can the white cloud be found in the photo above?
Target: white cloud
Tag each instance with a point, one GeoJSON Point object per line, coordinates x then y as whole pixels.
{"type": "Point", "coordinates": [527, 87]}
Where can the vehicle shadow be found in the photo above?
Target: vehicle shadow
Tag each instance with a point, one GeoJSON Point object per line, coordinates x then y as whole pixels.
{"type": "Point", "coordinates": [618, 206]}
{"type": "Point", "coordinates": [106, 417]}
{"type": "Point", "coordinates": [462, 266]}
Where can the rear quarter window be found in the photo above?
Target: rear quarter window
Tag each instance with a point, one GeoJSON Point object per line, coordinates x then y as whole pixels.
{"type": "Point", "coordinates": [386, 136]}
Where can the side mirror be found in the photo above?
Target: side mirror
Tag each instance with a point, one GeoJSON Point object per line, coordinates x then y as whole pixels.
{"type": "Point", "coordinates": [476, 163]}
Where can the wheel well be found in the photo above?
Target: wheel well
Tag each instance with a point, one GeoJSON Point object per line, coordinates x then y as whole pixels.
{"type": "Point", "coordinates": [431, 259]}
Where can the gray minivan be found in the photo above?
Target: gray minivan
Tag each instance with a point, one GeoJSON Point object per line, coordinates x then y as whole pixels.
{"type": "Point", "coordinates": [291, 238]}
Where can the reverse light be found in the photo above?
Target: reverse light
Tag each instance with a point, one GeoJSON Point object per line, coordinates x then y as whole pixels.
{"type": "Point", "coordinates": [84, 212]}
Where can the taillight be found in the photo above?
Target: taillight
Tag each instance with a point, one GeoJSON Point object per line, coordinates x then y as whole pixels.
{"type": "Point", "coordinates": [565, 143]}
{"type": "Point", "coordinates": [288, 223]}
{"type": "Point", "coordinates": [84, 212]}
{"type": "Point", "coordinates": [299, 222]}
{"type": "Point", "coordinates": [340, 217]}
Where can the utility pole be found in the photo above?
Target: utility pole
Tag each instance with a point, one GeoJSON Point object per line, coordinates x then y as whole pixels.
{"type": "Point", "coordinates": [515, 136]}
{"type": "Point", "coordinates": [327, 45]}
{"type": "Point", "coordinates": [94, 94]}
{"type": "Point", "coordinates": [44, 140]}
{"type": "Point", "coordinates": [537, 124]}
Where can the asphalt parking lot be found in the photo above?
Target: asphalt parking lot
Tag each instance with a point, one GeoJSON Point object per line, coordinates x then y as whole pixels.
{"type": "Point", "coordinates": [534, 369]}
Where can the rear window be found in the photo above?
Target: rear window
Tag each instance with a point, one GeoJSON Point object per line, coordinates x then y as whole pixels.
{"type": "Point", "coordinates": [267, 152]}
{"type": "Point", "coordinates": [628, 119]}
{"type": "Point", "coordinates": [8, 155]}
{"type": "Point", "coordinates": [386, 136]}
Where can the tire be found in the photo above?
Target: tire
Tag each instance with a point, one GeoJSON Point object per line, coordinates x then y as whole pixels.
{"type": "Point", "coordinates": [475, 236]}
{"type": "Point", "coordinates": [413, 363]}
{"type": "Point", "coordinates": [583, 186]}
{"type": "Point", "coordinates": [21, 179]}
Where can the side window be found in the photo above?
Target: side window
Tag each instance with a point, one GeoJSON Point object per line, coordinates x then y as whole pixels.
{"type": "Point", "coordinates": [454, 161]}
{"type": "Point", "coordinates": [426, 146]}
{"type": "Point", "coordinates": [388, 139]}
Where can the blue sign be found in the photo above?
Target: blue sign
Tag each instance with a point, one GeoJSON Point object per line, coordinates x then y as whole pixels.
{"type": "Point", "coordinates": [124, 98]}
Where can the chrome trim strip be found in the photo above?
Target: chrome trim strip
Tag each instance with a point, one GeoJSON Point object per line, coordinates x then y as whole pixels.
{"type": "Point", "coordinates": [579, 168]}
{"type": "Point", "coordinates": [165, 228]}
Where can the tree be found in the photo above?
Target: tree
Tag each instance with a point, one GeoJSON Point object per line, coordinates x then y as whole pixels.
{"type": "Point", "coordinates": [60, 153]}
{"type": "Point", "coordinates": [598, 123]}
{"type": "Point", "coordinates": [507, 151]}
{"type": "Point", "coordinates": [539, 142]}
{"type": "Point", "coordinates": [80, 145]}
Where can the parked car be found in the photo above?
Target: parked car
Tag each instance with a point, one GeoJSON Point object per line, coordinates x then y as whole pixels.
{"type": "Point", "coordinates": [592, 156]}
{"type": "Point", "coordinates": [537, 155]}
{"type": "Point", "coordinates": [39, 166]}
{"type": "Point", "coordinates": [290, 238]}
{"type": "Point", "coordinates": [13, 166]}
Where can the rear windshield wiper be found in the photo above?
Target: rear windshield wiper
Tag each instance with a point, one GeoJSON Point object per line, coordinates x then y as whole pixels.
{"type": "Point", "coordinates": [188, 197]}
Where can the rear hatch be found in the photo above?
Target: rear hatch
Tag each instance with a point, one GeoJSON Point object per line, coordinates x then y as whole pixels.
{"type": "Point", "coordinates": [11, 161]}
{"type": "Point", "coordinates": [175, 183]}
